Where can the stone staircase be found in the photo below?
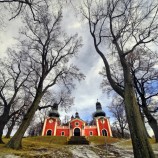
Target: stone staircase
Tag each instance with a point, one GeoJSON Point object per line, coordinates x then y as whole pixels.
{"type": "Point", "coordinates": [78, 140]}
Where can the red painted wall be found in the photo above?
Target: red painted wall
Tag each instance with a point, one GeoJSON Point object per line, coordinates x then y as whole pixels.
{"type": "Point", "coordinates": [103, 126]}
{"type": "Point", "coordinates": [50, 125]}
{"type": "Point", "coordinates": [59, 131]}
{"type": "Point", "coordinates": [73, 124]}
{"type": "Point", "coordinates": [88, 130]}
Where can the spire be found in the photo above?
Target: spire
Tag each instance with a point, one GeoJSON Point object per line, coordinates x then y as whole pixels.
{"type": "Point", "coordinates": [72, 117]}
{"type": "Point", "coordinates": [77, 115]}
{"type": "Point", "coordinates": [98, 106]}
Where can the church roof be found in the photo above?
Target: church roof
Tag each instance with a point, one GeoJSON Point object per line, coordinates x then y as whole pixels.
{"type": "Point", "coordinates": [99, 111]}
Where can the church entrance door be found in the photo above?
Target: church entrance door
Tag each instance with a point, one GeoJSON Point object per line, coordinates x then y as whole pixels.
{"type": "Point", "coordinates": [76, 132]}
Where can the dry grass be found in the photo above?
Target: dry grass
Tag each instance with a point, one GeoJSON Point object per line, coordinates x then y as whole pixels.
{"type": "Point", "coordinates": [128, 144]}
{"type": "Point", "coordinates": [103, 139]}
{"type": "Point", "coordinates": [44, 146]}
{"type": "Point", "coordinates": [37, 147]}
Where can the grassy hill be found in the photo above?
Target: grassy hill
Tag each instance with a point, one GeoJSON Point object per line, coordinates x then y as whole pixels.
{"type": "Point", "coordinates": [40, 145]}
{"type": "Point", "coordinates": [44, 146]}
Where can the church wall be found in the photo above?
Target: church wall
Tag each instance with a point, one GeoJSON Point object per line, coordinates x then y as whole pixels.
{"type": "Point", "coordinates": [88, 130]}
{"type": "Point", "coordinates": [103, 124]}
{"type": "Point", "coordinates": [76, 123]}
{"type": "Point", "coordinates": [62, 130]}
{"type": "Point", "coordinates": [50, 125]}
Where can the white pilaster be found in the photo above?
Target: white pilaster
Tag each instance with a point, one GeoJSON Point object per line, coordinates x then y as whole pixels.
{"type": "Point", "coordinates": [44, 126]}
{"type": "Point", "coordinates": [109, 127]}
{"type": "Point", "coordinates": [55, 128]}
{"type": "Point", "coordinates": [98, 127]}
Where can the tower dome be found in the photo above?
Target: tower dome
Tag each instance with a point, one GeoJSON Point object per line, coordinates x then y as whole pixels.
{"type": "Point", "coordinates": [77, 115]}
{"type": "Point", "coordinates": [54, 111]}
{"type": "Point", "coordinates": [99, 111]}
{"type": "Point", "coordinates": [72, 117]}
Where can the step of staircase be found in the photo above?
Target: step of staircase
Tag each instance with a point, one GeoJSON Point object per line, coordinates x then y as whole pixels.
{"type": "Point", "coordinates": [78, 140]}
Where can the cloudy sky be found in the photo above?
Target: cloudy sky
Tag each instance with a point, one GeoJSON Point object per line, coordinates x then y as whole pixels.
{"type": "Point", "coordinates": [87, 91]}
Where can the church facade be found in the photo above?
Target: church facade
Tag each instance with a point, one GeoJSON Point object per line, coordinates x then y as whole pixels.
{"type": "Point", "coordinates": [100, 126]}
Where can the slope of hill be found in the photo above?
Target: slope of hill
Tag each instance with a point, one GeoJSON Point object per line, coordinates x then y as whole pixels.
{"type": "Point", "coordinates": [56, 147]}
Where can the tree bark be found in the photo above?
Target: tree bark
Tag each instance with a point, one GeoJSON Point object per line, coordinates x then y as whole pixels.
{"type": "Point", "coordinates": [15, 141]}
{"type": "Point", "coordinates": [1, 132]}
{"type": "Point", "coordinates": [144, 125]}
{"type": "Point", "coordinates": [141, 145]}
{"type": "Point", "coordinates": [122, 132]}
{"type": "Point", "coordinates": [152, 122]}
{"type": "Point", "coordinates": [10, 128]}
{"type": "Point", "coordinates": [4, 119]}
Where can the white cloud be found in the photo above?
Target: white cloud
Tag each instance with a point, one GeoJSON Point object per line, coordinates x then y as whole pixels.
{"type": "Point", "coordinates": [75, 25]}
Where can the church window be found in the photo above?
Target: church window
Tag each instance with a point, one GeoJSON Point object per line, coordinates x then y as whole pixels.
{"type": "Point", "coordinates": [77, 124]}
{"type": "Point", "coordinates": [91, 133]}
{"type": "Point", "coordinates": [62, 133]}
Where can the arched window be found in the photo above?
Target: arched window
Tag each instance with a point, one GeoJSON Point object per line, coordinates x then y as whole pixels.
{"type": "Point", "coordinates": [49, 132]}
{"type": "Point", "coordinates": [104, 132]}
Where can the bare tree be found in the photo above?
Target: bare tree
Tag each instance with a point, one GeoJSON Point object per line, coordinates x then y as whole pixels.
{"type": "Point", "coordinates": [118, 112]}
{"type": "Point", "coordinates": [18, 6]}
{"type": "Point", "coordinates": [15, 120]}
{"type": "Point", "coordinates": [12, 77]}
{"type": "Point", "coordinates": [48, 51]}
{"type": "Point", "coordinates": [145, 77]}
{"type": "Point", "coordinates": [125, 25]}
{"type": "Point", "coordinates": [17, 111]}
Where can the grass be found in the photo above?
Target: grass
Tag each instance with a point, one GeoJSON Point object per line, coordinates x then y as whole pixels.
{"type": "Point", "coordinates": [102, 140]}
{"type": "Point", "coordinates": [47, 140]}
{"type": "Point", "coordinates": [44, 146]}
{"type": "Point", "coordinates": [128, 144]}
{"type": "Point", "coordinates": [37, 147]}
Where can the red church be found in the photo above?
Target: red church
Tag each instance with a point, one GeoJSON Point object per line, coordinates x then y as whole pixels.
{"type": "Point", "coordinates": [100, 125]}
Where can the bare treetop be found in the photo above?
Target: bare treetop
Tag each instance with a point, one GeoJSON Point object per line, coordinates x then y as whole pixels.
{"type": "Point", "coordinates": [132, 22]}
{"type": "Point", "coordinates": [19, 6]}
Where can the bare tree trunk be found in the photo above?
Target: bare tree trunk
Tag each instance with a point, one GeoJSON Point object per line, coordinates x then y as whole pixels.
{"type": "Point", "coordinates": [152, 122]}
{"type": "Point", "coordinates": [1, 132]}
{"type": "Point", "coordinates": [16, 140]}
{"type": "Point", "coordinates": [141, 145]}
{"type": "Point", "coordinates": [144, 126]}
{"type": "Point", "coordinates": [3, 122]}
{"type": "Point", "coordinates": [122, 133]}
{"type": "Point", "coordinates": [10, 128]}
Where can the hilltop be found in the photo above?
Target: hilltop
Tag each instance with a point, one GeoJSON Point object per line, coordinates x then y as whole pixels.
{"type": "Point", "coordinates": [56, 147]}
